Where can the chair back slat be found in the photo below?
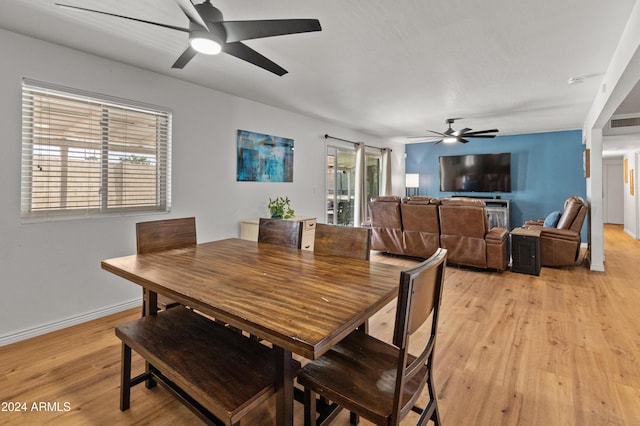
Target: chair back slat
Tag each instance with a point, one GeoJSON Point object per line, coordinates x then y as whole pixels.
{"type": "Point", "coordinates": [282, 232]}
{"type": "Point", "coordinates": [343, 241]}
{"type": "Point", "coordinates": [158, 235]}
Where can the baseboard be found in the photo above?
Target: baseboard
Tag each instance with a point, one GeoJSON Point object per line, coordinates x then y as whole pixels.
{"type": "Point", "coordinates": [629, 233]}
{"type": "Point", "coordinates": [68, 322]}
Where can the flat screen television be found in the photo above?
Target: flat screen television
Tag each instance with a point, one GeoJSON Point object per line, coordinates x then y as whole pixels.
{"type": "Point", "coordinates": [476, 173]}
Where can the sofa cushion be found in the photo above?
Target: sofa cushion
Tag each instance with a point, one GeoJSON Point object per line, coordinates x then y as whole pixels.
{"type": "Point", "coordinates": [462, 201]}
{"type": "Point", "coordinates": [573, 214]}
{"type": "Point", "coordinates": [420, 217]}
{"type": "Point", "coordinates": [551, 221]}
{"type": "Point", "coordinates": [385, 213]}
{"type": "Point", "coordinates": [419, 199]}
{"type": "Point", "coordinates": [386, 198]}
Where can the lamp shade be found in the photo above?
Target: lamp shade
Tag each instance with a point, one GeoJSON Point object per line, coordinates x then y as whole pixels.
{"type": "Point", "coordinates": [412, 180]}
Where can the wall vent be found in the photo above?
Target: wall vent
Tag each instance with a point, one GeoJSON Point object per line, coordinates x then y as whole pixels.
{"type": "Point", "coordinates": [622, 124]}
{"type": "Point", "coordinates": [625, 122]}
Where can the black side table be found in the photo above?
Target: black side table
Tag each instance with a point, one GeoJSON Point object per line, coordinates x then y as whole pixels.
{"type": "Point", "coordinates": [525, 251]}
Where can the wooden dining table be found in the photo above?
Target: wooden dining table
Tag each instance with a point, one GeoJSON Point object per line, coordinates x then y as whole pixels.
{"type": "Point", "coordinates": [301, 302]}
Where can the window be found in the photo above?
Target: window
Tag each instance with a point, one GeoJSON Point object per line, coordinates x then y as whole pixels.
{"type": "Point", "coordinates": [373, 174]}
{"type": "Point", "coordinates": [85, 154]}
{"type": "Point", "coordinates": [341, 166]}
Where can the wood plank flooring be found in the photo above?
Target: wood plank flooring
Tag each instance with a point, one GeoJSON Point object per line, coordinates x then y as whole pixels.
{"type": "Point", "coordinates": [559, 349]}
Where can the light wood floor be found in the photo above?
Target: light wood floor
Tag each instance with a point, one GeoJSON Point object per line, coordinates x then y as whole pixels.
{"type": "Point", "coordinates": [559, 349]}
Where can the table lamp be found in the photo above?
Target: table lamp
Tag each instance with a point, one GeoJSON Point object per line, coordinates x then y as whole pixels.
{"type": "Point", "coordinates": [412, 183]}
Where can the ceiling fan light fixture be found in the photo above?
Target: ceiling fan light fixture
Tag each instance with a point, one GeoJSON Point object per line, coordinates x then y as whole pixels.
{"type": "Point", "coordinates": [205, 42]}
{"type": "Point", "coordinates": [450, 139]}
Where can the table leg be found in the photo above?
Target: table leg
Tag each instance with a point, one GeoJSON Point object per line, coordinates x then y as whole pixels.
{"type": "Point", "coordinates": [149, 302]}
{"type": "Point", "coordinates": [149, 307]}
{"type": "Point", "coordinates": [284, 387]}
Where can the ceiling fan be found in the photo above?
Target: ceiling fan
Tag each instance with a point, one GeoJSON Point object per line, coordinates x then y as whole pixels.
{"type": "Point", "coordinates": [210, 34]}
{"type": "Point", "coordinates": [452, 136]}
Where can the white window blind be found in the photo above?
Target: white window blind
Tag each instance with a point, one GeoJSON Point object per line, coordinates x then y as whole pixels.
{"type": "Point", "coordinates": [85, 154]}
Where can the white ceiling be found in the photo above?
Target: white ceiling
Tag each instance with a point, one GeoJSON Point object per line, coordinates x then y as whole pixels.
{"type": "Point", "coordinates": [386, 68]}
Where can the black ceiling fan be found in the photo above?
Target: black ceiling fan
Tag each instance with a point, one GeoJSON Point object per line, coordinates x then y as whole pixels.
{"type": "Point", "coordinates": [210, 34]}
{"type": "Point", "coordinates": [450, 135]}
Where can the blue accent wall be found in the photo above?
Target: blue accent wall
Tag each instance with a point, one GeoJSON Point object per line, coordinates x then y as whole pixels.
{"type": "Point", "coordinates": [546, 168]}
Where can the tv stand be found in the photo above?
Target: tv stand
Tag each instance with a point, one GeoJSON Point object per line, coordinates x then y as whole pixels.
{"type": "Point", "coordinates": [499, 213]}
{"type": "Point", "coordinates": [479, 197]}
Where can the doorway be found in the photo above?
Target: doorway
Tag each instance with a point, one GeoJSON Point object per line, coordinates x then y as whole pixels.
{"type": "Point", "coordinates": [613, 199]}
{"type": "Point", "coordinates": [341, 174]}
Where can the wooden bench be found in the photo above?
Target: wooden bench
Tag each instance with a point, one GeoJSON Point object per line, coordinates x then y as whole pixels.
{"type": "Point", "coordinates": [218, 373]}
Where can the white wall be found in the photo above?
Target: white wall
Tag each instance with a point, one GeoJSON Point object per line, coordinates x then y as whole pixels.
{"type": "Point", "coordinates": [50, 272]}
{"type": "Point", "coordinates": [632, 202]}
{"type": "Point", "coordinates": [621, 76]}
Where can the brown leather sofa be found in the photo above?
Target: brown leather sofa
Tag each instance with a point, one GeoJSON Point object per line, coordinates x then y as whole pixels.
{"type": "Point", "coordinates": [465, 233]}
{"type": "Point", "coordinates": [414, 227]}
{"type": "Point", "coordinates": [560, 245]}
{"type": "Point", "coordinates": [386, 224]}
{"type": "Point", "coordinates": [420, 226]}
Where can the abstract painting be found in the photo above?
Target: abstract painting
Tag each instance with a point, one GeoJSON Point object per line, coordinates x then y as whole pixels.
{"type": "Point", "coordinates": [264, 158]}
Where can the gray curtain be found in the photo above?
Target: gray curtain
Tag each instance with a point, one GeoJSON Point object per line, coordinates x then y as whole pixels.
{"type": "Point", "coordinates": [385, 173]}
{"type": "Point", "coordinates": [360, 203]}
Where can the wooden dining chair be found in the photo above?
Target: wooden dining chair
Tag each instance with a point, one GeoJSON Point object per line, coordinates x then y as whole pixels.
{"type": "Point", "coordinates": [286, 233]}
{"type": "Point", "coordinates": [344, 241]}
{"type": "Point", "coordinates": [159, 235]}
{"type": "Point", "coordinates": [376, 380]}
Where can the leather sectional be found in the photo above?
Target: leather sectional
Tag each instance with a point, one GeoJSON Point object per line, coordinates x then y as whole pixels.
{"type": "Point", "coordinates": [417, 226]}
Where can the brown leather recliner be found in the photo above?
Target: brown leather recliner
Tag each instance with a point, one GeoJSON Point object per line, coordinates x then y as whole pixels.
{"type": "Point", "coordinates": [465, 233]}
{"type": "Point", "coordinates": [386, 224]}
{"type": "Point", "coordinates": [420, 224]}
{"type": "Point", "coordinates": [560, 246]}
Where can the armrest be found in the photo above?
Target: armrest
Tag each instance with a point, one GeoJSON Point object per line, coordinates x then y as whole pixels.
{"type": "Point", "coordinates": [559, 234]}
{"type": "Point", "coordinates": [496, 235]}
{"type": "Point", "coordinates": [538, 222]}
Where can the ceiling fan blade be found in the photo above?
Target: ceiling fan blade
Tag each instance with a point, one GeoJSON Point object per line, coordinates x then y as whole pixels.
{"type": "Point", "coordinates": [437, 135]}
{"type": "Point", "coordinates": [461, 132]}
{"type": "Point", "coordinates": [478, 136]}
{"type": "Point", "coordinates": [244, 52]}
{"type": "Point", "coordinates": [462, 140]}
{"type": "Point", "coordinates": [247, 30]}
{"type": "Point", "coordinates": [125, 17]}
{"type": "Point", "coordinates": [184, 59]}
{"type": "Point", "coordinates": [425, 139]}
{"type": "Point", "coordinates": [190, 10]}
{"type": "Point", "coordinates": [479, 132]}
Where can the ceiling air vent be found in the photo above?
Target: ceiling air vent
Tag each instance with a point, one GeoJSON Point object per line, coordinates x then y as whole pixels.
{"type": "Point", "coordinates": [625, 122]}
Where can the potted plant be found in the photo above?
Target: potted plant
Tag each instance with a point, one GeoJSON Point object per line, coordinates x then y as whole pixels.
{"type": "Point", "coordinates": [280, 208]}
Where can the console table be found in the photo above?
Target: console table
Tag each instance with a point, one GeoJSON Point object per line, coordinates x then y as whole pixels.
{"type": "Point", "coordinates": [525, 251]}
{"type": "Point", "coordinates": [499, 213]}
{"type": "Point", "coordinates": [249, 230]}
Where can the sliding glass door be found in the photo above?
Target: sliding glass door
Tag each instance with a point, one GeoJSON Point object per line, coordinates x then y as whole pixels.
{"type": "Point", "coordinates": [341, 173]}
